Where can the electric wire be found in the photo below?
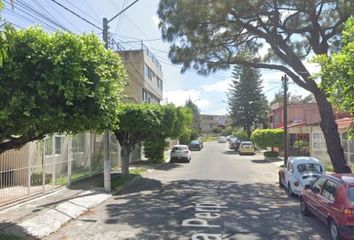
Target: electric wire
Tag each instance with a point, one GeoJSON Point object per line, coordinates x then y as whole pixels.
{"type": "Point", "coordinates": [30, 9]}
{"type": "Point", "coordinates": [76, 14]}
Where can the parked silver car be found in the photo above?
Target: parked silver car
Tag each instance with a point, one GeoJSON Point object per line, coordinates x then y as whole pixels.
{"type": "Point", "coordinates": [180, 153]}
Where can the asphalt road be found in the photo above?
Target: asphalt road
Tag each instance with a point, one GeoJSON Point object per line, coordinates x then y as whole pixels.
{"type": "Point", "coordinates": [219, 195]}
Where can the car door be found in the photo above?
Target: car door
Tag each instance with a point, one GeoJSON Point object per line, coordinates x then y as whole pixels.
{"type": "Point", "coordinates": [312, 195]}
{"type": "Point", "coordinates": [326, 199]}
{"type": "Point", "coordinates": [288, 173]}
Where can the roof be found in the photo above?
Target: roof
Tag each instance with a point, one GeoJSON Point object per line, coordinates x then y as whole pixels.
{"type": "Point", "coordinates": [295, 124]}
{"type": "Point", "coordinates": [304, 159]}
{"type": "Point", "coordinates": [344, 123]}
{"type": "Point", "coordinates": [343, 177]}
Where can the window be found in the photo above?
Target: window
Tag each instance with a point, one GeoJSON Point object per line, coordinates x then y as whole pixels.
{"type": "Point", "coordinates": [52, 143]}
{"type": "Point", "coordinates": [309, 167]}
{"type": "Point", "coordinates": [144, 95]}
{"type": "Point", "coordinates": [329, 190]}
{"type": "Point", "coordinates": [48, 146]}
{"type": "Point", "coordinates": [78, 143]}
{"type": "Point", "coordinates": [318, 184]}
{"type": "Point", "coordinates": [351, 194]}
{"type": "Point", "coordinates": [57, 144]}
{"type": "Point", "coordinates": [316, 138]}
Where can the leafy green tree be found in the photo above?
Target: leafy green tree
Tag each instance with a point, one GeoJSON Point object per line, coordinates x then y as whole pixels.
{"type": "Point", "coordinates": [337, 72]}
{"type": "Point", "coordinates": [136, 123]}
{"type": "Point", "coordinates": [268, 138]}
{"type": "Point", "coordinates": [240, 134]}
{"type": "Point", "coordinates": [182, 128]}
{"type": "Point", "coordinates": [57, 83]}
{"type": "Point", "coordinates": [227, 131]}
{"type": "Point", "coordinates": [247, 103]}
{"type": "Point", "coordinates": [196, 118]}
{"type": "Point", "coordinates": [308, 99]}
{"type": "Point", "coordinates": [155, 143]}
{"type": "Point", "coordinates": [212, 35]}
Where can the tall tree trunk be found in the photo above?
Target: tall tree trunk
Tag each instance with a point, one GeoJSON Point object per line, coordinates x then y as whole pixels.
{"type": "Point", "coordinates": [330, 131]}
{"type": "Point", "coordinates": [125, 155]}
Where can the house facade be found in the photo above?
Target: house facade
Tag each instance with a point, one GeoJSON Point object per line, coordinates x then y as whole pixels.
{"type": "Point", "coordinates": [304, 133]}
{"type": "Point", "coordinates": [210, 122]}
{"type": "Point", "coordinates": [145, 79]}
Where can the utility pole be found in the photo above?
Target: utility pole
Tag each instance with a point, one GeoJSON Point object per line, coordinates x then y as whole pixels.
{"type": "Point", "coordinates": [285, 117]}
{"type": "Point", "coordinates": [106, 143]}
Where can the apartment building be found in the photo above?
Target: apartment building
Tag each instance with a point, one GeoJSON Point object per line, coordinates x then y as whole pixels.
{"type": "Point", "coordinates": [145, 79]}
{"type": "Point", "coordinates": [210, 122]}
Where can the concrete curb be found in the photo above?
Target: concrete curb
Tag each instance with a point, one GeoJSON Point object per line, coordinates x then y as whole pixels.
{"type": "Point", "coordinates": [51, 220]}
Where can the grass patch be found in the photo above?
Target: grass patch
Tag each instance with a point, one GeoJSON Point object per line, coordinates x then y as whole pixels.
{"type": "Point", "coordinates": [120, 181]}
{"type": "Point", "coordinates": [10, 237]}
{"type": "Point", "coordinates": [75, 176]}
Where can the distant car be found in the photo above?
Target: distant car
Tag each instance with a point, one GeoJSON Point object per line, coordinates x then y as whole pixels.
{"type": "Point", "coordinates": [195, 145]}
{"type": "Point", "coordinates": [300, 171]}
{"type": "Point", "coordinates": [180, 153]}
{"type": "Point", "coordinates": [222, 139]}
{"type": "Point", "coordinates": [331, 199]}
{"type": "Point", "coordinates": [232, 143]}
{"type": "Point", "coordinates": [246, 147]}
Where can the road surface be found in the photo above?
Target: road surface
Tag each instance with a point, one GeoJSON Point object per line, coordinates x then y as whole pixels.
{"type": "Point", "coordinates": [218, 195]}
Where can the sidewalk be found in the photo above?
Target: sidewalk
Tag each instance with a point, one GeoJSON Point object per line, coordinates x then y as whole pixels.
{"type": "Point", "coordinates": [38, 218]}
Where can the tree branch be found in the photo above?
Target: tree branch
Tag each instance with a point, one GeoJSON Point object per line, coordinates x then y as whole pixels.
{"type": "Point", "coordinates": [18, 142]}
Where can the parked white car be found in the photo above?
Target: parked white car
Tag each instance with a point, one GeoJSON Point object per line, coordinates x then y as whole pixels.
{"type": "Point", "coordinates": [300, 171]}
{"type": "Point", "coordinates": [180, 153]}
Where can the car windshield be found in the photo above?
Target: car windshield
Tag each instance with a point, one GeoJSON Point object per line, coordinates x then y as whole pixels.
{"type": "Point", "coordinates": [246, 144]}
{"type": "Point", "coordinates": [309, 167]}
{"type": "Point", "coordinates": [179, 148]}
{"type": "Point", "coordinates": [194, 142]}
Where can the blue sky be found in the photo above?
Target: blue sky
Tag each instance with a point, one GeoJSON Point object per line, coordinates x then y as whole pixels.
{"type": "Point", "coordinates": [140, 23]}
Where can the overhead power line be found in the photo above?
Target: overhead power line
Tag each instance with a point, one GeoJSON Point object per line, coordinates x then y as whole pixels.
{"type": "Point", "coordinates": [77, 15]}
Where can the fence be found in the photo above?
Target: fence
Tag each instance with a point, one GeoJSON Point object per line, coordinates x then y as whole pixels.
{"type": "Point", "coordinates": [56, 161]}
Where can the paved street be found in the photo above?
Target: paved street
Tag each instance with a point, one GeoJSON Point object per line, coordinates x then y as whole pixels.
{"type": "Point", "coordinates": [219, 195]}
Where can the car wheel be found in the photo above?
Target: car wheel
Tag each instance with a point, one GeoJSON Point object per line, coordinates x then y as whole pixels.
{"type": "Point", "coordinates": [290, 191]}
{"type": "Point", "coordinates": [333, 229]}
{"type": "Point", "coordinates": [303, 208]}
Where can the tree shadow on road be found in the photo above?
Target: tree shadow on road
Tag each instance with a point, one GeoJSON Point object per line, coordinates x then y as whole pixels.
{"type": "Point", "coordinates": [252, 211]}
{"type": "Point", "coordinates": [230, 152]}
{"type": "Point", "coordinates": [12, 231]}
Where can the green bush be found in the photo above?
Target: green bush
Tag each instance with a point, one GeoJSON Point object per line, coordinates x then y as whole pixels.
{"type": "Point", "coordinates": [154, 150]}
{"type": "Point", "coordinates": [268, 137]}
{"type": "Point", "coordinates": [271, 154]}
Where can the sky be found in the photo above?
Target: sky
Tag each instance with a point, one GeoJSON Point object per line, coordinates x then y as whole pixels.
{"type": "Point", "coordinates": [139, 23]}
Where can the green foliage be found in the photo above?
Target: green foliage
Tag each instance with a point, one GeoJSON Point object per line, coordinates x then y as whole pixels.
{"type": "Point", "coordinates": [227, 131]}
{"type": "Point", "coordinates": [154, 149]}
{"type": "Point", "coordinates": [337, 71]}
{"type": "Point", "coordinates": [217, 130]}
{"type": "Point", "coordinates": [183, 126]}
{"type": "Point", "coordinates": [240, 134]}
{"type": "Point", "coordinates": [271, 154]}
{"type": "Point", "coordinates": [195, 125]}
{"type": "Point", "coordinates": [268, 137]}
{"type": "Point", "coordinates": [301, 144]}
{"type": "Point", "coordinates": [57, 83]}
{"type": "Point", "coordinates": [247, 103]}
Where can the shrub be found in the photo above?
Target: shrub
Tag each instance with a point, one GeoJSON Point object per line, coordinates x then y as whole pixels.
{"type": "Point", "coordinates": [271, 154]}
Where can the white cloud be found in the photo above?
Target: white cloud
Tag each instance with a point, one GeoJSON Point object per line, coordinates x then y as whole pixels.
{"type": "Point", "coordinates": [220, 86]}
{"type": "Point", "coordinates": [179, 97]}
{"type": "Point", "coordinates": [156, 20]}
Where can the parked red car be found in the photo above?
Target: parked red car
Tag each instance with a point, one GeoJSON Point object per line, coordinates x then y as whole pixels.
{"type": "Point", "coordinates": [331, 199]}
